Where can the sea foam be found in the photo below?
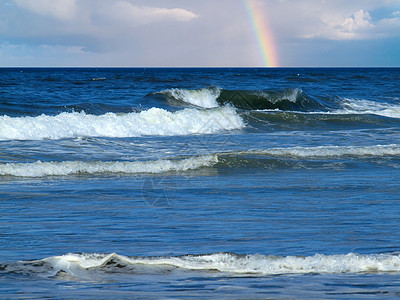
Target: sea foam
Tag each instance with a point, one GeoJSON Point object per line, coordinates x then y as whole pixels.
{"type": "Point", "coordinates": [255, 265]}
{"type": "Point", "coordinates": [204, 97]}
{"type": "Point", "coordinates": [155, 121]}
{"type": "Point", "coordinates": [329, 151]}
{"type": "Point", "coordinates": [360, 106]}
{"type": "Point", "coordinates": [40, 169]}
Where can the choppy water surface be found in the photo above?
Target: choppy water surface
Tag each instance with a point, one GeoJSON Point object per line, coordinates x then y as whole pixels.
{"type": "Point", "coordinates": [167, 183]}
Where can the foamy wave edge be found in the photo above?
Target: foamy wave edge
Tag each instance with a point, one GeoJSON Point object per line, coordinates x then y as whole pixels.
{"type": "Point", "coordinates": [41, 169]}
{"type": "Point", "coordinates": [78, 264]}
{"type": "Point", "coordinates": [328, 151]}
{"type": "Point", "coordinates": [358, 106]}
{"type": "Point", "coordinates": [152, 122]}
{"type": "Point", "coordinates": [203, 97]}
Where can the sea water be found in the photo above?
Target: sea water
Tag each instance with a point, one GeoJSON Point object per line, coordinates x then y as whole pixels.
{"type": "Point", "coordinates": [199, 182]}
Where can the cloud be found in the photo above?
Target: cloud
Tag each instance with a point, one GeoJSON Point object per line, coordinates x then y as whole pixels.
{"type": "Point", "coordinates": [360, 26]}
{"type": "Point", "coordinates": [97, 26]}
{"type": "Point", "coordinates": [187, 33]}
{"type": "Point", "coordinates": [356, 26]}
{"type": "Point", "coordinates": [359, 21]}
{"type": "Point", "coordinates": [390, 26]}
{"type": "Point", "coordinates": [126, 12]}
{"type": "Point", "coordinates": [104, 12]}
{"type": "Point", "coordinates": [59, 9]}
{"type": "Point", "coordinates": [334, 20]}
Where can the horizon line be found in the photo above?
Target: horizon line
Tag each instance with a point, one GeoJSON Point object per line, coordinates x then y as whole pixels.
{"type": "Point", "coordinates": [200, 67]}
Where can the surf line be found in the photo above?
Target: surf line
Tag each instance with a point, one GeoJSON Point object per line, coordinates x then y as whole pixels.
{"type": "Point", "coordinates": [263, 33]}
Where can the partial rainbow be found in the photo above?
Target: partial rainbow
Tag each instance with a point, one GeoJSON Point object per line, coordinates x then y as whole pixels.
{"type": "Point", "coordinates": [262, 32]}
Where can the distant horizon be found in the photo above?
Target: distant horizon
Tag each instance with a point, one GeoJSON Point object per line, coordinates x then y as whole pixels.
{"type": "Point", "coordinates": [198, 67]}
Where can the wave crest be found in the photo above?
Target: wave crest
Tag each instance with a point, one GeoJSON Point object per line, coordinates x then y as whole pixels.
{"type": "Point", "coordinates": [329, 151]}
{"type": "Point", "coordinates": [285, 100]}
{"type": "Point", "coordinates": [357, 106]}
{"type": "Point", "coordinates": [80, 265]}
{"type": "Point", "coordinates": [154, 121]}
{"type": "Point", "coordinates": [40, 169]}
{"type": "Point", "coordinates": [204, 97]}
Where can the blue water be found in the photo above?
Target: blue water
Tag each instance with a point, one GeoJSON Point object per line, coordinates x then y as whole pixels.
{"type": "Point", "coordinates": [227, 183]}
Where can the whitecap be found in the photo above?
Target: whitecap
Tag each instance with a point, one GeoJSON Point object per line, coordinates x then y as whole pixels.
{"type": "Point", "coordinates": [40, 169]}
{"type": "Point", "coordinates": [204, 97]}
{"type": "Point", "coordinates": [229, 263]}
{"type": "Point", "coordinates": [329, 151]}
{"type": "Point", "coordinates": [155, 122]}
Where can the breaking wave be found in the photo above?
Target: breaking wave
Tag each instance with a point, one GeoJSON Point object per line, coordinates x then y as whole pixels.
{"type": "Point", "coordinates": [40, 169]}
{"type": "Point", "coordinates": [326, 157]}
{"type": "Point", "coordinates": [329, 151]}
{"type": "Point", "coordinates": [235, 159]}
{"type": "Point", "coordinates": [357, 106]}
{"type": "Point", "coordinates": [205, 97]}
{"type": "Point", "coordinates": [83, 265]}
{"type": "Point", "coordinates": [286, 100]}
{"type": "Point", "coordinates": [155, 121]}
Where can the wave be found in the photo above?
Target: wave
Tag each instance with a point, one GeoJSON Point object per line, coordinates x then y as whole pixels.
{"type": "Point", "coordinates": [288, 99]}
{"type": "Point", "coordinates": [351, 107]}
{"type": "Point", "coordinates": [359, 106]}
{"type": "Point", "coordinates": [82, 265]}
{"type": "Point", "coordinates": [205, 97]}
{"type": "Point", "coordinates": [41, 169]}
{"type": "Point", "coordinates": [155, 121]}
{"type": "Point", "coordinates": [272, 120]}
{"type": "Point", "coordinates": [325, 157]}
{"type": "Point", "coordinates": [284, 100]}
{"type": "Point", "coordinates": [328, 151]}
{"type": "Point", "coordinates": [237, 159]}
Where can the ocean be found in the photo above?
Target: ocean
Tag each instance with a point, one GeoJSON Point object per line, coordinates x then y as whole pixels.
{"type": "Point", "coordinates": [199, 183]}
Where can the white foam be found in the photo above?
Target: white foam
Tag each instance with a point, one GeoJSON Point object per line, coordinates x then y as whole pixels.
{"type": "Point", "coordinates": [290, 94]}
{"type": "Point", "coordinates": [239, 264]}
{"type": "Point", "coordinates": [359, 106]}
{"type": "Point", "coordinates": [154, 121]}
{"type": "Point", "coordinates": [330, 151]}
{"type": "Point", "coordinates": [40, 169]}
{"type": "Point", "coordinates": [205, 97]}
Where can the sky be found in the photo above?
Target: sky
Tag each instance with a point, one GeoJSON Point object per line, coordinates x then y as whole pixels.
{"type": "Point", "coordinates": [200, 33]}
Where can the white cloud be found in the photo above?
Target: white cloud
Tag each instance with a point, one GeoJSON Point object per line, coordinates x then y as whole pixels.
{"type": "Point", "coordinates": [334, 20]}
{"type": "Point", "coordinates": [59, 9]}
{"type": "Point", "coordinates": [356, 26]}
{"type": "Point", "coordinates": [128, 13]}
{"type": "Point", "coordinates": [359, 20]}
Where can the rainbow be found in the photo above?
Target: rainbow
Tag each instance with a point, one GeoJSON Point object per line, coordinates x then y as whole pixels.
{"type": "Point", "coordinates": [262, 32]}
